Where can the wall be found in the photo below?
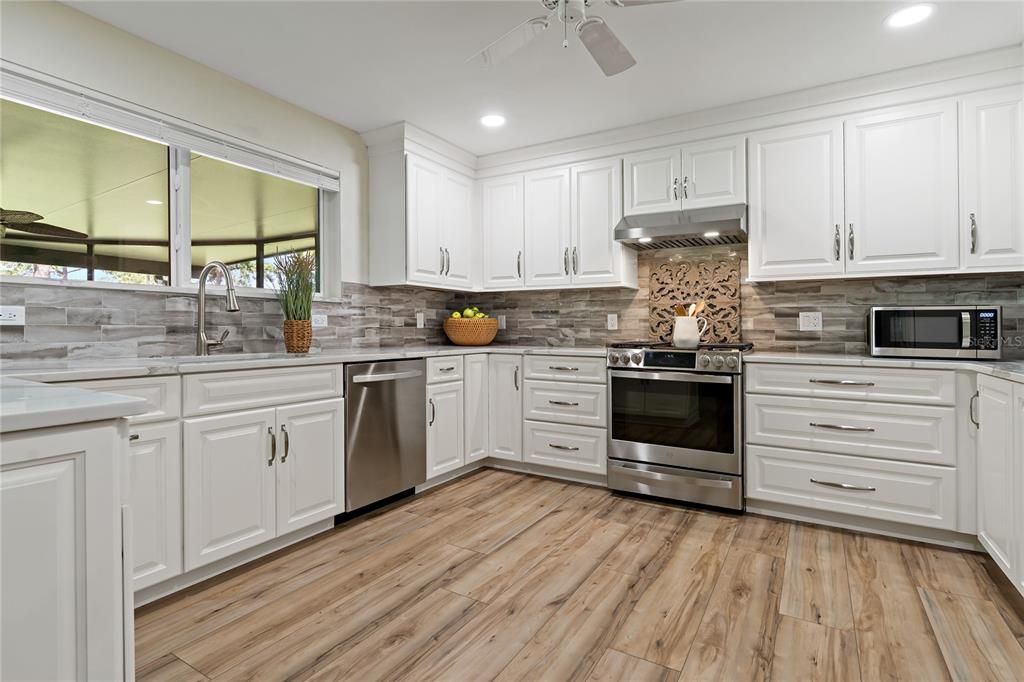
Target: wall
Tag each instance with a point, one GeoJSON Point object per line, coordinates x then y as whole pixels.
{"type": "Point", "coordinates": [62, 42]}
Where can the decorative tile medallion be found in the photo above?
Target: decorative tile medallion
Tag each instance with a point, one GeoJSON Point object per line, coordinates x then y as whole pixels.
{"type": "Point", "coordinates": [715, 279]}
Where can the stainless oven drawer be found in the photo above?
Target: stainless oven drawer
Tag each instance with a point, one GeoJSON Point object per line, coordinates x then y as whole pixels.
{"type": "Point", "coordinates": [698, 487]}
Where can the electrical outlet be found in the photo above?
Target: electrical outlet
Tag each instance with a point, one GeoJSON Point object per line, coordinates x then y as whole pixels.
{"type": "Point", "coordinates": [12, 314]}
{"type": "Point", "coordinates": [319, 321]}
{"type": "Point", "coordinates": [810, 322]}
{"type": "Point", "coordinates": [613, 321]}
{"type": "Point", "coordinates": [501, 321]}
{"type": "Point", "coordinates": [421, 320]}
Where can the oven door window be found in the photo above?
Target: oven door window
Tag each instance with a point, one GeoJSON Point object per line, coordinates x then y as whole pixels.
{"type": "Point", "coordinates": [675, 414]}
{"type": "Point", "coordinates": [918, 329]}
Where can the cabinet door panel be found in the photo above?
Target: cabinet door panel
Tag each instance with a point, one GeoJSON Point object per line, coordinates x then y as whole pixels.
{"type": "Point", "coordinates": [547, 228]}
{"type": "Point", "coordinates": [796, 201]}
{"type": "Point", "coordinates": [992, 179]}
{"type": "Point", "coordinates": [424, 198]}
{"type": "Point", "coordinates": [1018, 458]}
{"type": "Point", "coordinates": [596, 210]}
{"type": "Point", "coordinates": [996, 494]}
{"type": "Point", "coordinates": [651, 181]}
{"type": "Point", "coordinates": [457, 209]}
{"type": "Point", "coordinates": [154, 494]}
{"type": "Point", "coordinates": [901, 190]}
{"type": "Point", "coordinates": [714, 173]}
{"type": "Point", "coordinates": [501, 206]}
{"type": "Point", "coordinates": [311, 466]}
{"type": "Point", "coordinates": [445, 428]}
{"type": "Point", "coordinates": [230, 484]}
{"type": "Point", "coordinates": [477, 392]}
{"type": "Point", "coordinates": [506, 407]}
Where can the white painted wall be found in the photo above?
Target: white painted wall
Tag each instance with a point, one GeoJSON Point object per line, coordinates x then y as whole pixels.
{"type": "Point", "coordinates": [65, 43]}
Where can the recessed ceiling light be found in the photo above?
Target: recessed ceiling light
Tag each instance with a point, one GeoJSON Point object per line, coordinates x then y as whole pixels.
{"type": "Point", "coordinates": [644, 240]}
{"type": "Point", "coordinates": [492, 121]}
{"type": "Point", "coordinates": [711, 235]}
{"type": "Point", "coordinates": [154, 202]}
{"type": "Point", "coordinates": [908, 16]}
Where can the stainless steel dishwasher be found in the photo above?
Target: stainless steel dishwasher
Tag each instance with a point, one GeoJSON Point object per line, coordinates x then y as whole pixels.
{"type": "Point", "coordinates": [385, 430]}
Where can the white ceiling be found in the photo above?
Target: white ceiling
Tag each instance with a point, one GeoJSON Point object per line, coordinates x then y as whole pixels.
{"type": "Point", "coordinates": [370, 64]}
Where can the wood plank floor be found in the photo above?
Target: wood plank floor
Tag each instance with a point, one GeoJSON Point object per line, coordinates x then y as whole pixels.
{"type": "Point", "coordinates": [505, 576]}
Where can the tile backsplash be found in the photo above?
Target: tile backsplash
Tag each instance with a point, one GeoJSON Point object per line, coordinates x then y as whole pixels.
{"type": "Point", "coordinates": [66, 322]}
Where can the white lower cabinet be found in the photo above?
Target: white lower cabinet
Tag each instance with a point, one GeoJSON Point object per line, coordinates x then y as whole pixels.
{"type": "Point", "coordinates": [477, 396]}
{"type": "Point", "coordinates": [154, 492]}
{"type": "Point", "coordinates": [1018, 444]}
{"type": "Point", "coordinates": [578, 448]}
{"type": "Point", "coordinates": [248, 480]}
{"type": "Point", "coordinates": [506, 407]}
{"type": "Point", "coordinates": [998, 495]}
{"type": "Point", "coordinates": [445, 428]}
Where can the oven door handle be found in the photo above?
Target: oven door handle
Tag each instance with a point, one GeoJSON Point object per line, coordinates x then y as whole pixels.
{"type": "Point", "coordinates": [689, 480]}
{"type": "Point", "coordinates": [681, 377]}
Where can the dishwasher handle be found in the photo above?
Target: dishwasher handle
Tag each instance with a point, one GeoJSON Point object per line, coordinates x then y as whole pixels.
{"type": "Point", "coordinates": [390, 376]}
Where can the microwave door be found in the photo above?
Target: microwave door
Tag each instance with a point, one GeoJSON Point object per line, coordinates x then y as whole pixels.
{"type": "Point", "coordinates": [923, 332]}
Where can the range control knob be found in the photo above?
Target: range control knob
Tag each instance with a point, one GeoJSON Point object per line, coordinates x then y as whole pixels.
{"type": "Point", "coordinates": [731, 362]}
{"type": "Point", "coordinates": [704, 361]}
{"type": "Point", "coordinates": [718, 361]}
{"type": "Point", "coordinates": [637, 358]}
{"type": "Point", "coordinates": [613, 358]}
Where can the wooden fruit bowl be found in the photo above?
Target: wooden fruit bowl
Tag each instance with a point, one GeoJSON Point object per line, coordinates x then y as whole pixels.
{"type": "Point", "coordinates": [471, 332]}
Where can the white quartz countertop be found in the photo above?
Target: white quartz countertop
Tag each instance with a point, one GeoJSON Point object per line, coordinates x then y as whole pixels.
{"type": "Point", "coordinates": [114, 368]}
{"type": "Point", "coordinates": [1006, 369]}
{"type": "Point", "coordinates": [27, 405]}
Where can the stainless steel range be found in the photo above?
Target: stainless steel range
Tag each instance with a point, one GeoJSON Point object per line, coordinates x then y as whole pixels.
{"type": "Point", "coordinates": [676, 428]}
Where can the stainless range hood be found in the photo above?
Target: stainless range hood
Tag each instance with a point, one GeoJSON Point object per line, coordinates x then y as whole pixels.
{"type": "Point", "coordinates": [682, 229]}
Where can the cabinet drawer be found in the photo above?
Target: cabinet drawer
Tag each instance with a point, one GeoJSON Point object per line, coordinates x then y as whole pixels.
{"type": "Point", "coordinates": [566, 368]}
{"type": "Point", "coordinates": [914, 433]}
{"type": "Point", "coordinates": [580, 448]}
{"type": "Point", "coordinates": [444, 369]}
{"type": "Point", "coordinates": [162, 393]}
{"type": "Point", "coordinates": [566, 403]}
{"type": "Point", "coordinates": [891, 491]}
{"type": "Point", "coordinates": [227, 391]}
{"type": "Point", "coordinates": [919, 386]}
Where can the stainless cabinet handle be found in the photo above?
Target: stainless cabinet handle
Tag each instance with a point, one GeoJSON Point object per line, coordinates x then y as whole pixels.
{"type": "Point", "coordinates": [675, 188]}
{"type": "Point", "coordinates": [971, 412]}
{"type": "Point", "coordinates": [447, 262]}
{"type": "Point", "coordinates": [568, 448]}
{"type": "Point", "coordinates": [838, 247]}
{"type": "Point", "coordinates": [273, 446]}
{"type": "Point", "coordinates": [433, 412]}
{"type": "Point", "coordinates": [287, 443]}
{"type": "Point", "coordinates": [564, 403]}
{"type": "Point", "coordinates": [575, 262]}
{"type": "Point", "coordinates": [974, 234]}
{"type": "Point", "coordinates": [686, 181]}
{"type": "Point", "coordinates": [565, 260]}
{"type": "Point", "coordinates": [515, 377]}
{"type": "Point", "coordinates": [563, 368]}
{"type": "Point", "coordinates": [842, 382]}
{"type": "Point", "coordinates": [844, 486]}
{"type": "Point", "coordinates": [519, 265]}
{"type": "Point", "coordinates": [441, 269]}
{"type": "Point", "coordinates": [445, 369]}
{"type": "Point", "coordinates": [851, 242]}
{"type": "Point", "coordinates": [841, 427]}
{"type": "Point", "coordinates": [133, 437]}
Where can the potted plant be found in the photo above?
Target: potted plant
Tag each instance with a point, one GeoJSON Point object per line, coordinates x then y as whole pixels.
{"type": "Point", "coordinates": [295, 277]}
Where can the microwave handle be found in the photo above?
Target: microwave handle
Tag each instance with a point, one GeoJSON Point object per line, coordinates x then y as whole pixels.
{"type": "Point", "coordinates": [965, 330]}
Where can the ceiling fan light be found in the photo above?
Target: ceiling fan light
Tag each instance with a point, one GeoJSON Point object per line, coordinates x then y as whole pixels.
{"type": "Point", "coordinates": [602, 44]}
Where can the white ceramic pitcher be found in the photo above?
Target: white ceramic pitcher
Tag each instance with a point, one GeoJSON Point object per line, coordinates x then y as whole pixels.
{"type": "Point", "coordinates": [687, 331]}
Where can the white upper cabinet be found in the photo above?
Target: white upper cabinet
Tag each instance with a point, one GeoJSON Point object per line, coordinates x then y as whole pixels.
{"type": "Point", "coordinates": [458, 239]}
{"type": "Point", "coordinates": [796, 225]}
{"type": "Point", "coordinates": [423, 195]}
{"type": "Point", "coordinates": [651, 181]}
{"type": "Point", "coordinates": [595, 257]}
{"type": "Point", "coordinates": [901, 190]}
{"type": "Point", "coordinates": [714, 173]}
{"type": "Point", "coordinates": [547, 228]}
{"type": "Point", "coordinates": [502, 218]}
{"type": "Point", "coordinates": [992, 179]}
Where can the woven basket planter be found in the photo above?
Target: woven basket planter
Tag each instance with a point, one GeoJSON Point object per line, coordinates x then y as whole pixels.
{"type": "Point", "coordinates": [298, 334]}
{"type": "Point", "coordinates": [465, 332]}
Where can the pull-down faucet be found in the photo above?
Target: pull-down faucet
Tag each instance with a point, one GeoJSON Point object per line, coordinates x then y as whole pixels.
{"type": "Point", "coordinates": [203, 343]}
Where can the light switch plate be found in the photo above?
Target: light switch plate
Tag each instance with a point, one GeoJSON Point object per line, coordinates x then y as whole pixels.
{"type": "Point", "coordinates": [12, 314]}
{"type": "Point", "coordinates": [319, 321]}
{"type": "Point", "coordinates": [501, 321]}
{"type": "Point", "coordinates": [810, 322]}
{"type": "Point", "coordinates": [421, 320]}
{"type": "Point", "coordinates": [613, 321]}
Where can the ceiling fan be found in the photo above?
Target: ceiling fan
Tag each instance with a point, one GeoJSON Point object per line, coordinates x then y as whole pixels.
{"type": "Point", "coordinates": [26, 221]}
{"type": "Point", "coordinates": [606, 49]}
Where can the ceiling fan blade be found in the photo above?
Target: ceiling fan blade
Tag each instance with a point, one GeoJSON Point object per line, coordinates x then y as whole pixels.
{"type": "Point", "coordinates": [9, 217]}
{"type": "Point", "coordinates": [609, 53]}
{"type": "Point", "coordinates": [46, 230]}
{"type": "Point", "coordinates": [512, 41]}
{"type": "Point", "coordinates": [637, 3]}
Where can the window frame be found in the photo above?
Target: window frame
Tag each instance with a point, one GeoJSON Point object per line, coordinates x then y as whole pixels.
{"type": "Point", "coordinates": [182, 138]}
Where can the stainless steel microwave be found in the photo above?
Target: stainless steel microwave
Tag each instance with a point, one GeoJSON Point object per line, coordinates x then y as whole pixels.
{"type": "Point", "coordinates": [959, 331]}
